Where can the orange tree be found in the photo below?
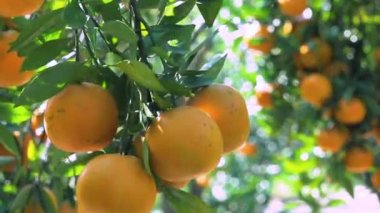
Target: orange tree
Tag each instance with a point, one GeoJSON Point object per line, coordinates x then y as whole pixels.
{"type": "Point", "coordinates": [85, 86]}
{"type": "Point", "coordinates": [316, 131]}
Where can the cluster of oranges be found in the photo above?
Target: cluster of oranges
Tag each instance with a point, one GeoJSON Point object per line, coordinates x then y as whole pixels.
{"type": "Point", "coordinates": [316, 67]}
{"type": "Point", "coordinates": [184, 143]}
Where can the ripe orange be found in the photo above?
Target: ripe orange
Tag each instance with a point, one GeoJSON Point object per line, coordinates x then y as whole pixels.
{"type": "Point", "coordinates": [184, 143]}
{"type": "Point", "coordinates": [358, 160]}
{"type": "Point", "coordinates": [178, 185]}
{"type": "Point", "coordinates": [316, 89]}
{"type": "Point", "coordinates": [336, 68]}
{"type": "Point", "coordinates": [248, 149]}
{"type": "Point", "coordinates": [10, 63]}
{"type": "Point", "coordinates": [81, 118]}
{"type": "Point", "coordinates": [34, 204]}
{"type": "Point", "coordinates": [315, 54]}
{"type": "Point", "coordinates": [292, 7]}
{"type": "Point", "coordinates": [332, 139]}
{"type": "Point", "coordinates": [264, 99]}
{"type": "Point", "coordinates": [350, 111]}
{"type": "Point", "coordinates": [227, 107]}
{"type": "Point", "coordinates": [261, 41]}
{"type": "Point", "coordinates": [115, 183]}
{"type": "Point", "coordinates": [138, 146]}
{"type": "Point", "coordinates": [375, 179]}
{"type": "Point", "coordinates": [203, 181]}
{"type": "Point", "coordinates": [12, 8]}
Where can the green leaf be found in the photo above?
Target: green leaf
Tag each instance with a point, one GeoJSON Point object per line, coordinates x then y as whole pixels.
{"type": "Point", "coordinates": [45, 53]}
{"type": "Point", "coordinates": [146, 161]}
{"type": "Point", "coordinates": [149, 4]}
{"type": "Point", "coordinates": [140, 73]}
{"type": "Point", "coordinates": [51, 81]}
{"type": "Point", "coordinates": [8, 141]}
{"type": "Point", "coordinates": [209, 10]}
{"type": "Point", "coordinates": [22, 198]}
{"type": "Point", "coordinates": [47, 203]}
{"type": "Point", "coordinates": [12, 114]}
{"type": "Point", "coordinates": [180, 11]}
{"type": "Point", "coordinates": [120, 30]}
{"type": "Point", "coordinates": [5, 160]}
{"type": "Point", "coordinates": [37, 27]}
{"type": "Point", "coordinates": [184, 202]}
{"type": "Point", "coordinates": [348, 186]}
{"type": "Point", "coordinates": [206, 76]}
{"type": "Point", "coordinates": [335, 203]}
{"type": "Point", "coordinates": [74, 15]}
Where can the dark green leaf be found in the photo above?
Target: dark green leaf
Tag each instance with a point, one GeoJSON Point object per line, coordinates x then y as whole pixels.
{"type": "Point", "coordinates": [22, 198]}
{"type": "Point", "coordinates": [51, 81]}
{"type": "Point", "coordinates": [8, 141]}
{"type": "Point", "coordinates": [45, 53]}
{"type": "Point", "coordinates": [209, 10]}
{"type": "Point", "coordinates": [120, 30]}
{"type": "Point", "coordinates": [146, 158]}
{"type": "Point", "coordinates": [140, 73]}
{"type": "Point", "coordinates": [5, 160]}
{"type": "Point", "coordinates": [149, 4]}
{"type": "Point", "coordinates": [74, 15]}
{"type": "Point", "coordinates": [184, 202]}
{"type": "Point", "coordinates": [47, 202]}
{"type": "Point", "coordinates": [180, 11]}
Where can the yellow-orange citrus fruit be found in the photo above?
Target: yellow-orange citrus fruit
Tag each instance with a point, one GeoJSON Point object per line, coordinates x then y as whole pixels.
{"type": "Point", "coordinates": [358, 160]}
{"type": "Point", "coordinates": [10, 63]}
{"type": "Point", "coordinates": [264, 99]}
{"type": "Point", "coordinates": [203, 181]}
{"type": "Point", "coordinates": [336, 68]}
{"type": "Point", "coordinates": [315, 54]}
{"type": "Point", "coordinates": [178, 185]}
{"type": "Point", "coordinates": [375, 179]}
{"type": "Point", "coordinates": [184, 143]}
{"type": "Point", "coordinates": [332, 139]}
{"type": "Point", "coordinates": [316, 89]}
{"type": "Point", "coordinates": [248, 149]}
{"type": "Point", "coordinates": [12, 8]}
{"type": "Point", "coordinates": [261, 41]}
{"type": "Point", "coordinates": [292, 7]}
{"type": "Point", "coordinates": [35, 206]}
{"type": "Point", "coordinates": [227, 107]}
{"type": "Point", "coordinates": [82, 117]}
{"type": "Point", "coordinates": [66, 207]}
{"type": "Point", "coordinates": [115, 183]}
{"type": "Point", "coordinates": [351, 111]}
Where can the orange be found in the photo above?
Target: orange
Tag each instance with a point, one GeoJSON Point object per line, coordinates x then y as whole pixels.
{"type": "Point", "coordinates": [375, 179]}
{"type": "Point", "coordinates": [115, 183]}
{"type": "Point", "coordinates": [358, 160]}
{"type": "Point", "coordinates": [10, 63]}
{"type": "Point", "coordinates": [292, 7]}
{"type": "Point", "coordinates": [351, 111]}
{"type": "Point", "coordinates": [34, 204]}
{"type": "Point", "coordinates": [315, 54]}
{"type": "Point", "coordinates": [332, 139]}
{"type": "Point", "coordinates": [178, 185]}
{"type": "Point", "coordinates": [264, 99]}
{"type": "Point", "coordinates": [12, 8]}
{"type": "Point", "coordinates": [184, 143]}
{"type": "Point", "coordinates": [138, 146]}
{"type": "Point", "coordinates": [82, 117]}
{"type": "Point", "coordinates": [316, 89]}
{"type": "Point", "coordinates": [248, 149]}
{"type": "Point", "coordinates": [261, 41]}
{"type": "Point", "coordinates": [227, 107]}
{"type": "Point", "coordinates": [336, 68]}
{"type": "Point", "coordinates": [66, 207]}
{"type": "Point", "coordinates": [203, 181]}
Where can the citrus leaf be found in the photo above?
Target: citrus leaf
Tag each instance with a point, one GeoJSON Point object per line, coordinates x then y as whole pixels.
{"type": "Point", "coordinates": [74, 15]}
{"type": "Point", "coordinates": [12, 114]}
{"type": "Point", "coordinates": [180, 11]}
{"type": "Point", "coordinates": [140, 73]}
{"type": "Point", "coordinates": [8, 141]}
{"type": "Point", "coordinates": [146, 158]}
{"type": "Point", "coordinates": [184, 202]}
{"type": "Point", "coordinates": [209, 10]}
{"type": "Point", "coordinates": [22, 198]}
{"type": "Point", "coordinates": [120, 30]}
{"type": "Point", "coordinates": [5, 160]}
{"type": "Point", "coordinates": [46, 201]}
